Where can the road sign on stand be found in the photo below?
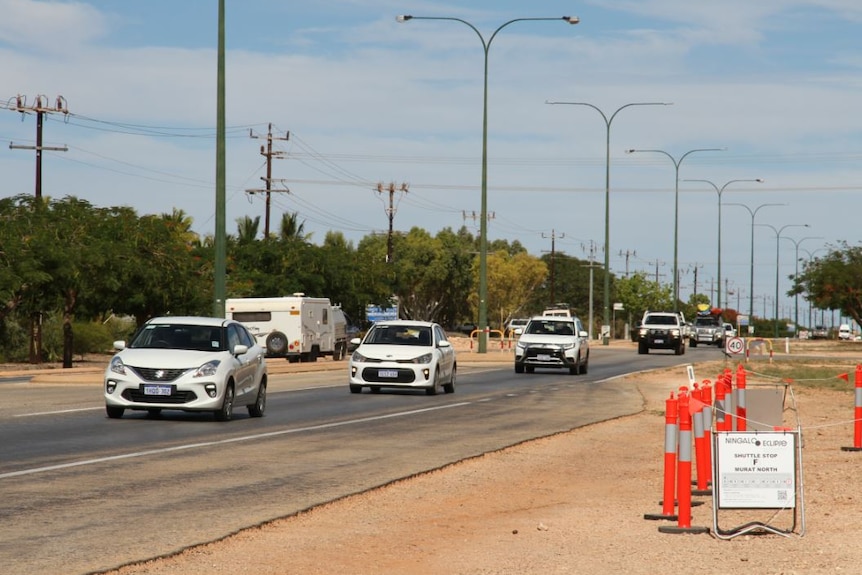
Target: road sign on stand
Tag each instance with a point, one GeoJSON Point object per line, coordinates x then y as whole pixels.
{"type": "Point", "coordinates": [735, 346]}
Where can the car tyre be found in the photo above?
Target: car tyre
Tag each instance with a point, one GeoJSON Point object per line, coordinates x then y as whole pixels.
{"type": "Point", "coordinates": [226, 411]}
{"type": "Point", "coordinates": [450, 387]}
{"type": "Point", "coordinates": [114, 412]}
{"type": "Point", "coordinates": [693, 343]}
{"type": "Point", "coordinates": [259, 406]}
{"type": "Point", "coordinates": [519, 368]}
{"type": "Point", "coordinates": [435, 386]}
{"type": "Point", "coordinates": [355, 388]}
{"type": "Point", "coordinates": [643, 348]}
{"type": "Point", "coordinates": [586, 365]}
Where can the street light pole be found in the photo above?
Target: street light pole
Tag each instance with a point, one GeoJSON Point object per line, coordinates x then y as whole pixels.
{"type": "Point", "coordinates": [777, 251]}
{"type": "Point", "coordinates": [796, 276]}
{"type": "Point", "coordinates": [751, 272]}
{"type": "Point", "coordinates": [676, 165]}
{"type": "Point", "coordinates": [608, 121]}
{"type": "Point", "coordinates": [483, 214]}
{"type": "Point", "coordinates": [719, 191]}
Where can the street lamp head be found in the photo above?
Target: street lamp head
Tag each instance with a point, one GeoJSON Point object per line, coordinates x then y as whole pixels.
{"type": "Point", "coordinates": [403, 18]}
{"type": "Point", "coordinates": [571, 19]}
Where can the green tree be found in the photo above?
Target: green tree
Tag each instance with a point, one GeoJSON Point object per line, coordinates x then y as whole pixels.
{"type": "Point", "coordinates": [638, 294]}
{"type": "Point", "coordinates": [512, 282]}
{"type": "Point", "coordinates": [832, 281]}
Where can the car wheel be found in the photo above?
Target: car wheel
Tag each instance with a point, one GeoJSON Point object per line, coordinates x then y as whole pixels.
{"type": "Point", "coordinates": [355, 388]}
{"type": "Point", "coordinates": [226, 411]}
{"type": "Point", "coordinates": [114, 412]}
{"type": "Point", "coordinates": [259, 406]}
{"type": "Point", "coordinates": [276, 343]}
{"type": "Point", "coordinates": [679, 349]}
{"type": "Point", "coordinates": [435, 386]}
{"type": "Point", "coordinates": [643, 348]}
{"type": "Point", "coordinates": [519, 368]}
{"type": "Point", "coordinates": [450, 387]}
{"type": "Point", "coordinates": [586, 365]}
{"type": "Point", "coordinates": [693, 343]}
{"type": "Point", "coordinates": [576, 369]}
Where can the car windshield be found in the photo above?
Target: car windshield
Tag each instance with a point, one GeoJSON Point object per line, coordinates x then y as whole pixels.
{"type": "Point", "coordinates": [177, 336]}
{"type": "Point", "coordinates": [661, 320]}
{"type": "Point", "coordinates": [550, 327]}
{"type": "Point", "coordinates": [399, 335]}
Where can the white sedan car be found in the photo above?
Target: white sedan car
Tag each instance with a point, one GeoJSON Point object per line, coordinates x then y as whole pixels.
{"type": "Point", "coordinates": [188, 364]}
{"type": "Point", "coordinates": [405, 354]}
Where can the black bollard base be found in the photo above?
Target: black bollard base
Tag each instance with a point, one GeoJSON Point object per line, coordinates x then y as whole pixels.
{"type": "Point", "coordinates": [694, 530]}
{"type": "Point", "coordinates": [660, 517]}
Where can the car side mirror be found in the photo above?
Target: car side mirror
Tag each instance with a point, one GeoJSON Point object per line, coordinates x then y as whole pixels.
{"type": "Point", "coordinates": [240, 349]}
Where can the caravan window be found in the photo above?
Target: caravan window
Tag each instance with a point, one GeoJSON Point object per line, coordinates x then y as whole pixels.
{"type": "Point", "coordinates": [325, 316]}
{"type": "Point", "coordinates": [252, 316]}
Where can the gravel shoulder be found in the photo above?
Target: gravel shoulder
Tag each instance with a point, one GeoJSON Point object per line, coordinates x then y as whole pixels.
{"type": "Point", "coordinates": [571, 503]}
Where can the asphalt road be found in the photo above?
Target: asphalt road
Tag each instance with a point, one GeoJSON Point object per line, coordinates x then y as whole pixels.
{"type": "Point", "coordinates": [81, 493]}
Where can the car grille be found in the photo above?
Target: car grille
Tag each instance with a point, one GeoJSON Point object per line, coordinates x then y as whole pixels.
{"type": "Point", "coordinates": [176, 397]}
{"type": "Point", "coordinates": [157, 374]}
{"type": "Point", "coordinates": [403, 375]}
{"type": "Point", "coordinates": [531, 354]}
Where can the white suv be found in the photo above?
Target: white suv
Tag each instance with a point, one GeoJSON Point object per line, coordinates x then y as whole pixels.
{"type": "Point", "coordinates": [554, 342]}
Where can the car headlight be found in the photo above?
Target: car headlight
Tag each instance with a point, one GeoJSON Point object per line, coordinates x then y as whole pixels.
{"type": "Point", "coordinates": [426, 358]}
{"type": "Point", "coordinates": [208, 369]}
{"type": "Point", "coordinates": [357, 357]}
{"type": "Point", "coordinates": [117, 365]}
{"type": "Point", "coordinates": [675, 332]}
{"type": "Point", "coordinates": [520, 346]}
{"type": "Point", "coordinates": [568, 345]}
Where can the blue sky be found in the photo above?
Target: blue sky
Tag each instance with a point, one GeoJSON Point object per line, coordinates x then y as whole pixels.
{"type": "Point", "coordinates": [368, 100]}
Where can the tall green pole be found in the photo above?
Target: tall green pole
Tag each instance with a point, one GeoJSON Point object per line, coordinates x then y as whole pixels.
{"type": "Point", "coordinates": [676, 165]}
{"type": "Point", "coordinates": [483, 214]}
{"type": "Point", "coordinates": [608, 121]}
{"type": "Point", "coordinates": [719, 191]}
{"type": "Point", "coordinates": [219, 272]}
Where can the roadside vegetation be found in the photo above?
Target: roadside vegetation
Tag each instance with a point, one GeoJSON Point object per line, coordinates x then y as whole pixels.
{"type": "Point", "coordinates": [80, 276]}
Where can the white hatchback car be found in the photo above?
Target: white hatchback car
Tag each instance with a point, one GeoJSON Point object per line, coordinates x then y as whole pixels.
{"type": "Point", "coordinates": [405, 354]}
{"type": "Point", "coordinates": [189, 364]}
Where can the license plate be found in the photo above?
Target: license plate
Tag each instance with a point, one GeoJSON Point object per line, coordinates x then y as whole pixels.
{"type": "Point", "coordinates": [387, 373]}
{"type": "Point", "coordinates": [543, 357]}
{"type": "Point", "coordinates": [659, 340]}
{"type": "Point", "coordinates": [157, 390]}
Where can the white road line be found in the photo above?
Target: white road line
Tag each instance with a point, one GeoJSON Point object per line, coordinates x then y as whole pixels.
{"type": "Point", "coordinates": [189, 446]}
{"type": "Point", "coordinates": [58, 412]}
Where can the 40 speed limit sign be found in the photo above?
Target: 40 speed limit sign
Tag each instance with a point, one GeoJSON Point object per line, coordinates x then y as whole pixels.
{"type": "Point", "coordinates": [735, 346]}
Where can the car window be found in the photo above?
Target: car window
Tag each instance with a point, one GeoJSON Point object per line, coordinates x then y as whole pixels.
{"type": "Point", "coordinates": [233, 338]}
{"type": "Point", "coordinates": [441, 335]}
{"type": "Point", "coordinates": [177, 336]}
{"type": "Point", "coordinates": [399, 335]}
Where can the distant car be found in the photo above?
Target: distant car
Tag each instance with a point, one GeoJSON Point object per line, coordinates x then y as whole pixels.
{"type": "Point", "coordinates": [844, 332]}
{"type": "Point", "coordinates": [559, 342]}
{"type": "Point", "coordinates": [820, 332]}
{"type": "Point", "coordinates": [516, 326]}
{"type": "Point", "coordinates": [729, 331]}
{"type": "Point", "coordinates": [403, 354]}
{"type": "Point", "coordinates": [188, 364]}
{"type": "Point", "coordinates": [662, 330]}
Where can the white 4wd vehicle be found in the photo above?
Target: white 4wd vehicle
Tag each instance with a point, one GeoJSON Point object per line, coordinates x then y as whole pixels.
{"type": "Point", "coordinates": [553, 341]}
{"type": "Point", "coordinates": [662, 330]}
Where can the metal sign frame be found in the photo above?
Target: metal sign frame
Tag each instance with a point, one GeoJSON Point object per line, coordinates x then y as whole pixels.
{"type": "Point", "coordinates": [755, 471]}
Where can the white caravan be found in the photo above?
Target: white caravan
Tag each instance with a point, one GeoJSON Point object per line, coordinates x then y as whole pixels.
{"type": "Point", "coordinates": [295, 327]}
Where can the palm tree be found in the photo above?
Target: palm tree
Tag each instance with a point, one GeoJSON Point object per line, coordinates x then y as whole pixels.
{"type": "Point", "coordinates": [292, 229]}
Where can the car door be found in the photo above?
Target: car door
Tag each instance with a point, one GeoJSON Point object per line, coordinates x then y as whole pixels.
{"type": "Point", "coordinates": [447, 354]}
{"type": "Point", "coordinates": [245, 364]}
